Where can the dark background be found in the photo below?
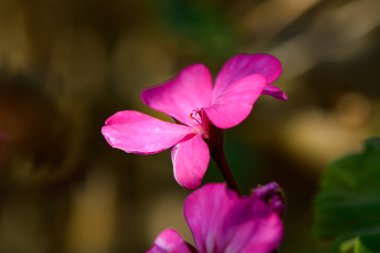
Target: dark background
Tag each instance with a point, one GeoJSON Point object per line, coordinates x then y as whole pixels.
{"type": "Point", "coordinates": [66, 65]}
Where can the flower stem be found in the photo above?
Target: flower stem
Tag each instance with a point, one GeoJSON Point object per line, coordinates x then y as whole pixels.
{"type": "Point", "coordinates": [221, 161]}
{"type": "Point", "coordinates": [215, 143]}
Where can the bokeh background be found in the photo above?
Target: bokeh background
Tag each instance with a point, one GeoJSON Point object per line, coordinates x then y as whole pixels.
{"type": "Point", "coordinates": [66, 65]}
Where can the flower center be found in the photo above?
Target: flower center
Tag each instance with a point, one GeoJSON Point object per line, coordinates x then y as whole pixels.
{"type": "Point", "coordinates": [202, 122]}
{"type": "Point", "coordinates": [196, 115]}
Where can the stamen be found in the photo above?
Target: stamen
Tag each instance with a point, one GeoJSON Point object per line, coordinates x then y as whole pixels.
{"type": "Point", "coordinates": [196, 115]}
{"type": "Point", "coordinates": [202, 123]}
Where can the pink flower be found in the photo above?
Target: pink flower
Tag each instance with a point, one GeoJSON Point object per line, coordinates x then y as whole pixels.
{"type": "Point", "coordinates": [193, 102]}
{"type": "Point", "coordinates": [273, 195]}
{"type": "Point", "coordinates": [221, 221]}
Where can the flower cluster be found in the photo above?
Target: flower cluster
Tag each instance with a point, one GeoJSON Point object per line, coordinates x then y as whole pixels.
{"type": "Point", "coordinates": [219, 218]}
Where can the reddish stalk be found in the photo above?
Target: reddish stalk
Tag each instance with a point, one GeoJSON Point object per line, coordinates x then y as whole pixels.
{"type": "Point", "coordinates": [220, 159]}
{"type": "Point", "coordinates": [215, 143]}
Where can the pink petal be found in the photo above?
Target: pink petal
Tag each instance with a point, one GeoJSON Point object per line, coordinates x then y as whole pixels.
{"type": "Point", "coordinates": [251, 226]}
{"type": "Point", "coordinates": [273, 195]}
{"type": "Point", "coordinates": [179, 97]}
{"type": "Point", "coordinates": [274, 92]}
{"type": "Point", "coordinates": [190, 160]}
{"type": "Point", "coordinates": [205, 210]}
{"type": "Point", "coordinates": [169, 241]}
{"type": "Point", "coordinates": [135, 132]}
{"type": "Point", "coordinates": [220, 221]}
{"type": "Point", "coordinates": [236, 102]}
{"type": "Point", "coordinates": [243, 65]}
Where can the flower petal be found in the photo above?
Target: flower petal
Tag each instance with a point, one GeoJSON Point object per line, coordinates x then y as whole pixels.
{"type": "Point", "coordinates": [273, 195]}
{"type": "Point", "coordinates": [135, 132]}
{"type": "Point", "coordinates": [190, 160]}
{"type": "Point", "coordinates": [169, 241]}
{"type": "Point", "coordinates": [221, 221]}
{"type": "Point", "coordinates": [251, 226]}
{"type": "Point", "coordinates": [205, 210]}
{"type": "Point", "coordinates": [179, 97]}
{"type": "Point", "coordinates": [236, 102]}
{"type": "Point", "coordinates": [243, 65]}
{"type": "Point", "coordinates": [274, 92]}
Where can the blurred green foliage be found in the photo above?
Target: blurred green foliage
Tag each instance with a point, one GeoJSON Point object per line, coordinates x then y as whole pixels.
{"type": "Point", "coordinates": [348, 205]}
{"type": "Point", "coordinates": [199, 21]}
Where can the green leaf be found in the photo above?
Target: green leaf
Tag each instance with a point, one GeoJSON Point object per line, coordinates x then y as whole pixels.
{"type": "Point", "coordinates": [368, 244]}
{"type": "Point", "coordinates": [347, 207]}
{"type": "Point", "coordinates": [364, 244]}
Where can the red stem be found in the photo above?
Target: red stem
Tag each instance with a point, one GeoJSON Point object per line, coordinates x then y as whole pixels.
{"type": "Point", "coordinates": [220, 159]}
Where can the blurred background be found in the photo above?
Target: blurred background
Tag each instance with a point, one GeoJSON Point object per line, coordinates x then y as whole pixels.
{"type": "Point", "coordinates": [67, 65]}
